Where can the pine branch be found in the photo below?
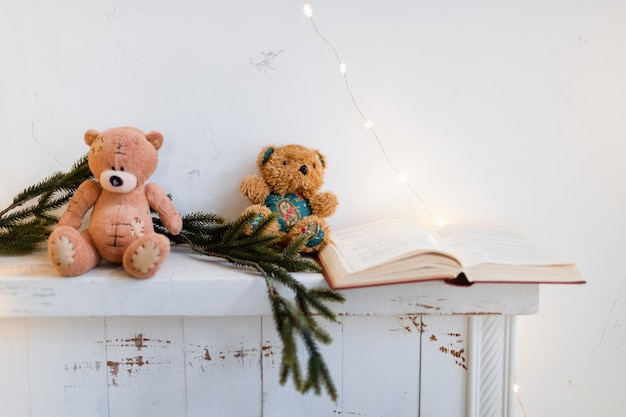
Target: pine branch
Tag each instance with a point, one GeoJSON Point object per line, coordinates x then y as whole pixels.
{"type": "Point", "coordinates": [23, 239]}
{"type": "Point", "coordinates": [27, 221]}
{"type": "Point", "coordinates": [294, 320]}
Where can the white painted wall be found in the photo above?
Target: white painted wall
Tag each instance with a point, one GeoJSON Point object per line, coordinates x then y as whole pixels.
{"type": "Point", "coordinates": [509, 112]}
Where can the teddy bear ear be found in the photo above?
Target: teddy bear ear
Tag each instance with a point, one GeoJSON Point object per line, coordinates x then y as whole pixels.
{"type": "Point", "coordinates": [322, 158]}
{"type": "Point", "coordinates": [155, 138]}
{"type": "Point", "coordinates": [267, 152]}
{"type": "Point", "coordinates": [90, 136]}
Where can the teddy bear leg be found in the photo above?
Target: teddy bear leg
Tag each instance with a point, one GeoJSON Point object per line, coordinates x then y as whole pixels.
{"type": "Point", "coordinates": [71, 252]}
{"type": "Point", "coordinates": [315, 228]}
{"type": "Point", "coordinates": [144, 257]}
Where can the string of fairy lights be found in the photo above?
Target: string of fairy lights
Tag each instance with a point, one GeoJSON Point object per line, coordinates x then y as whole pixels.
{"type": "Point", "coordinates": [369, 125]}
{"type": "Point", "coordinates": [367, 122]}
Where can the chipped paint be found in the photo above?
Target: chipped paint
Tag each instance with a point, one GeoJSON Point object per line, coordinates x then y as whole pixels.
{"type": "Point", "coordinates": [139, 341]}
{"type": "Point", "coordinates": [80, 366]}
{"type": "Point", "coordinates": [428, 307]}
{"type": "Point", "coordinates": [348, 413]}
{"type": "Point", "coordinates": [242, 353]}
{"type": "Point", "coordinates": [414, 322]}
{"type": "Point", "coordinates": [454, 348]}
{"type": "Point", "coordinates": [458, 354]}
{"type": "Point", "coordinates": [114, 368]}
{"type": "Point", "coordinates": [132, 364]}
{"type": "Point", "coordinates": [267, 350]}
{"type": "Point", "coordinates": [44, 292]}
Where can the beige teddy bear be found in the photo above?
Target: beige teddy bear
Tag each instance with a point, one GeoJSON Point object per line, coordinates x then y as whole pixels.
{"type": "Point", "coordinates": [120, 228]}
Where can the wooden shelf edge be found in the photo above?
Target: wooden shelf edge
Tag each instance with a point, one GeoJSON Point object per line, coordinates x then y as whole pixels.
{"type": "Point", "coordinates": [193, 285]}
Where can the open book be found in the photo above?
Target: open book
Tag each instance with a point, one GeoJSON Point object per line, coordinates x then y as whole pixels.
{"type": "Point", "coordinates": [397, 250]}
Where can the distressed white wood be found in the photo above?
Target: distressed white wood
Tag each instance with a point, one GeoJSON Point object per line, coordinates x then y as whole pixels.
{"type": "Point", "coordinates": [67, 367]}
{"type": "Point", "coordinates": [492, 350]}
{"type": "Point", "coordinates": [444, 367]}
{"type": "Point", "coordinates": [441, 299]}
{"type": "Point", "coordinates": [222, 366]}
{"type": "Point", "coordinates": [199, 339]}
{"type": "Point", "coordinates": [145, 365]}
{"type": "Point", "coordinates": [381, 366]}
{"type": "Point", "coordinates": [14, 368]}
{"type": "Point", "coordinates": [194, 285]}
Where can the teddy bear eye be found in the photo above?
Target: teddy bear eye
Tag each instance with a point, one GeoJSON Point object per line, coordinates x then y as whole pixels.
{"type": "Point", "coordinates": [285, 162]}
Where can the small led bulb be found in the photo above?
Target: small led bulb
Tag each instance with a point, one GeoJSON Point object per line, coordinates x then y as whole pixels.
{"type": "Point", "coordinates": [342, 68]}
{"type": "Point", "coordinates": [308, 11]}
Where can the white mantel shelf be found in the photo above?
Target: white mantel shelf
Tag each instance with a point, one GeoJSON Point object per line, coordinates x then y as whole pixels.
{"type": "Point", "coordinates": [198, 339]}
{"type": "Point", "coordinates": [189, 284]}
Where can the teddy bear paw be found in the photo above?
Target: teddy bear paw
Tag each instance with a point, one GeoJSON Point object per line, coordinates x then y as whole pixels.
{"type": "Point", "coordinates": [143, 258]}
{"type": "Point", "coordinates": [261, 213]}
{"type": "Point", "coordinates": [146, 257]}
{"type": "Point", "coordinates": [315, 236]}
{"type": "Point", "coordinates": [62, 252]}
{"type": "Point", "coordinates": [314, 233]}
{"type": "Point", "coordinates": [70, 252]}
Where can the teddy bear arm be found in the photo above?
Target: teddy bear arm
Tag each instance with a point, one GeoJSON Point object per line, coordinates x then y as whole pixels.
{"type": "Point", "coordinates": [324, 204]}
{"type": "Point", "coordinates": [84, 199]}
{"type": "Point", "coordinates": [255, 189]}
{"type": "Point", "coordinates": [161, 203]}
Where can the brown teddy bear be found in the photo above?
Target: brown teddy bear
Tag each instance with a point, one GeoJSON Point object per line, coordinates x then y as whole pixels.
{"type": "Point", "coordinates": [289, 185]}
{"type": "Point", "coordinates": [120, 229]}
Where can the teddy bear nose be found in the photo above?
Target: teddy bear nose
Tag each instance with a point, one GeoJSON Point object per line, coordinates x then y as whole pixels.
{"type": "Point", "coordinates": [116, 181]}
{"type": "Point", "coordinates": [304, 169]}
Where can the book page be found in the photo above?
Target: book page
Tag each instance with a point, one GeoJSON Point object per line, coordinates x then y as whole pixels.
{"type": "Point", "coordinates": [365, 246]}
{"type": "Point", "coordinates": [474, 245]}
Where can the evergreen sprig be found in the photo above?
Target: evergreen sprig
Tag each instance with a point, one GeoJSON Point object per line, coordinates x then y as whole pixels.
{"type": "Point", "coordinates": [27, 221]}
{"type": "Point", "coordinates": [295, 320]}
